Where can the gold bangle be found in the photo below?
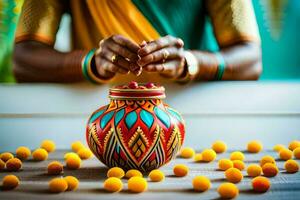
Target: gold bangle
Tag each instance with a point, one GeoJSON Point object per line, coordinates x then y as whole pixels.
{"type": "Point", "coordinates": [93, 76]}
{"type": "Point", "coordinates": [87, 68]}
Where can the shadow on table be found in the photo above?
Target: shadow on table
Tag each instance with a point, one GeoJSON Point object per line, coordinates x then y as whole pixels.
{"type": "Point", "coordinates": [218, 180]}
{"type": "Point", "coordinates": [87, 174]}
{"type": "Point", "coordinates": [94, 191]}
{"type": "Point", "coordinates": [173, 190]}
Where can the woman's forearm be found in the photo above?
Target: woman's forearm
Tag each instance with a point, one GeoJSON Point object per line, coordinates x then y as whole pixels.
{"type": "Point", "coordinates": [243, 62]}
{"type": "Point", "coordinates": [36, 62]}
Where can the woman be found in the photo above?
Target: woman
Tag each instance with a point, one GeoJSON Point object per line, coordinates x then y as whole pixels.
{"type": "Point", "coordinates": [122, 40]}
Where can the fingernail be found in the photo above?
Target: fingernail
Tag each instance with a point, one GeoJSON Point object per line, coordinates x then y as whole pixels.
{"type": "Point", "coordinates": [142, 52]}
{"type": "Point", "coordinates": [138, 72]}
{"type": "Point", "coordinates": [180, 43]}
{"type": "Point", "coordinates": [144, 43]}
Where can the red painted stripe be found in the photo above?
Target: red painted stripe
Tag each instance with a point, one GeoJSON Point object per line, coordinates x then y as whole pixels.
{"type": "Point", "coordinates": [136, 94]}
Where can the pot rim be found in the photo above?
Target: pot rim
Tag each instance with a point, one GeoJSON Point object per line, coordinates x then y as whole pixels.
{"type": "Point", "coordinates": [139, 93]}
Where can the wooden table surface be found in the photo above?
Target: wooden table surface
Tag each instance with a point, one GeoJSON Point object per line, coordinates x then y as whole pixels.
{"type": "Point", "coordinates": [34, 182]}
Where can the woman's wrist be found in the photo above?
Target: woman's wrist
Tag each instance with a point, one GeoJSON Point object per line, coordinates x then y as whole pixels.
{"type": "Point", "coordinates": [191, 68]}
{"type": "Point", "coordinates": [89, 69]}
{"type": "Point", "coordinates": [221, 66]}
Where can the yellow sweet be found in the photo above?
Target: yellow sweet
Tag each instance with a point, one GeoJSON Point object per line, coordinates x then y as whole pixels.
{"type": "Point", "coordinates": [116, 172]}
{"type": "Point", "coordinates": [76, 146]}
{"type": "Point", "coordinates": [278, 147]}
{"type": "Point", "coordinates": [228, 190]}
{"type": "Point", "coordinates": [58, 185]}
{"type": "Point", "coordinates": [285, 154]}
{"type": "Point", "coordinates": [55, 168]}
{"type": "Point", "coordinates": [72, 182]}
{"type": "Point", "coordinates": [270, 170]}
{"type": "Point", "coordinates": [73, 162]}
{"type": "Point", "coordinates": [113, 184]}
{"type": "Point", "coordinates": [40, 154]}
{"type": "Point", "coordinates": [296, 153]}
{"type": "Point", "coordinates": [291, 166]}
{"type": "Point", "coordinates": [2, 164]}
{"type": "Point", "coordinates": [133, 172]}
{"type": "Point", "coordinates": [156, 175]}
{"type": "Point", "coordinates": [6, 156]}
{"type": "Point", "coordinates": [180, 170]}
{"type": "Point", "coordinates": [254, 170]}
{"type": "Point", "coordinates": [233, 175]}
{"type": "Point", "coordinates": [198, 157]}
{"type": "Point", "coordinates": [239, 164]}
{"type": "Point", "coordinates": [70, 154]}
{"type": "Point", "coordinates": [208, 155]}
{"type": "Point", "coordinates": [254, 146]}
{"type": "Point", "coordinates": [219, 146]}
{"type": "Point", "coordinates": [201, 183]}
{"type": "Point", "coordinates": [48, 145]}
{"type": "Point", "coordinates": [13, 164]}
{"type": "Point", "coordinates": [266, 159]}
{"type": "Point", "coordinates": [260, 184]}
{"type": "Point", "coordinates": [10, 182]}
{"type": "Point", "coordinates": [294, 144]}
{"type": "Point", "coordinates": [225, 164]}
{"type": "Point", "coordinates": [187, 152]}
{"type": "Point", "coordinates": [84, 153]}
{"type": "Point", "coordinates": [137, 184]}
{"type": "Point", "coordinates": [237, 155]}
{"type": "Point", "coordinates": [23, 153]}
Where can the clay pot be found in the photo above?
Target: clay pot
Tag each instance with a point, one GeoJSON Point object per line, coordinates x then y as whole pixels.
{"type": "Point", "coordinates": [136, 130]}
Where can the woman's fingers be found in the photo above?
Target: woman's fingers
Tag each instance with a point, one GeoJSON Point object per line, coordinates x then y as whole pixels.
{"type": "Point", "coordinates": [119, 54]}
{"type": "Point", "coordinates": [106, 68]}
{"type": "Point", "coordinates": [159, 44]}
{"type": "Point", "coordinates": [161, 55]}
{"type": "Point", "coordinates": [101, 70]}
{"type": "Point", "coordinates": [114, 58]}
{"type": "Point", "coordinates": [105, 63]}
{"type": "Point", "coordinates": [160, 67]}
{"type": "Point", "coordinates": [171, 68]}
{"type": "Point", "coordinates": [125, 42]}
{"type": "Point", "coordinates": [120, 50]}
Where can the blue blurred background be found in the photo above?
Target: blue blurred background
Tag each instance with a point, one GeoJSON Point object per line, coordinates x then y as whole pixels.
{"type": "Point", "coordinates": [281, 54]}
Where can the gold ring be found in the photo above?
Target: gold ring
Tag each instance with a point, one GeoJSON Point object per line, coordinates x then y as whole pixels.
{"type": "Point", "coordinates": [165, 55]}
{"type": "Point", "coordinates": [114, 58]}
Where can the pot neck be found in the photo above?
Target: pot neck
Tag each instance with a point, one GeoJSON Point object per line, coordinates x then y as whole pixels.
{"type": "Point", "coordinates": [141, 93]}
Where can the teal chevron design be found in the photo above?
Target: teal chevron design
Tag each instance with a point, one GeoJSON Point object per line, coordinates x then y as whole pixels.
{"type": "Point", "coordinates": [162, 116]}
{"type": "Point", "coordinates": [130, 119]}
{"type": "Point", "coordinates": [175, 114]}
{"type": "Point", "coordinates": [106, 118]}
{"type": "Point", "coordinates": [119, 115]}
{"type": "Point", "coordinates": [96, 115]}
{"type": "Point", "coordinates": [147, 118]}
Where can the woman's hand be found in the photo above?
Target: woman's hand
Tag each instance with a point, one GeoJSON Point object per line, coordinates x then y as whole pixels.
{"type": "Point", "coordinates": [164, 55]}
{"type": "Point", "coordinates": [117, 54]}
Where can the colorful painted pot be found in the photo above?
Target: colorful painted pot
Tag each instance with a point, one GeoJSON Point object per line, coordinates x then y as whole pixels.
{"type": "Point", "coordinates": [136, 130]}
